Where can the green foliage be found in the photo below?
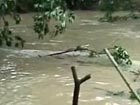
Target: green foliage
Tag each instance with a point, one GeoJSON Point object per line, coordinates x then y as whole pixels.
{"type": "Point", "coordinates": [9, 7]}
{"type": "Point", "coordinates": [47, 10]}
{"type": "Point", "coordinates": [132, 96]}
{"type": "Point", "coordinates": [17, 18]}
{"type": "Point", "coordinates": [6, 37]}
{"type": "Point", "coordinates": [107, 5]}
{"type": "Point", "coordinates": [110, 6]}
{"type": "Point", "coordinates": [126, 5]}
{"type": "Point", "coordinates": [51, 10]}
{"type": "Point", "coordinates": [121, 56]}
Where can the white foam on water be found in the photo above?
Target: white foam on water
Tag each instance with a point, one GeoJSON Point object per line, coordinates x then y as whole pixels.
{"type": "Point", "coordinates": [56, 75]}
{"type": "Point", "coordinates": [14, 73]}
{"type": "Point", "coordinates": [137, 63]}
{"type": "Point", "coordinates": [111, 103]}
{"type": "Point", "coordinates": [99, 98]}
{"type": "Point", "coordinates": [83, 100]}
{"type": "Point", "coordinates": [56, 41]}
{"type": "Point", "coordinates": [102, 83]}
{"type": "Point", "coordinates": [28, 53]}
{"type": "Point", "coordinates": [69, 84]}
{"type": "Point", "coordinates": [89, 22]}
{"type": "Point", "coordinates": [37, 43]}
{"type": "Point", "coordinates": [126, 33]}
{"type": "Point", "coordinates": [86, 20]}
{"type": "Point", "coordinates": [13, 77]}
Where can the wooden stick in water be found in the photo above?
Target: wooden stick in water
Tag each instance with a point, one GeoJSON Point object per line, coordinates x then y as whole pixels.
{"type": "Point", "coordinates": [62, 52]}
{"type": "Point", "coordinates": [121, 74]}
{"type": "Point", "coordinates": [77, 82]}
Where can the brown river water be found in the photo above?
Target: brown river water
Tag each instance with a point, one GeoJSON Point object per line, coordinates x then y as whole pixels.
{"type": "Point", "coordinates": [27, 79]}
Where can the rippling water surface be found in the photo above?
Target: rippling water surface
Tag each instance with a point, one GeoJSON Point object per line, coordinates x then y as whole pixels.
{"type": "Point", "coordinates": [29, 77]}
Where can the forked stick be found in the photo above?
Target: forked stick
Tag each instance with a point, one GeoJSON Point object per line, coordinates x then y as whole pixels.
{"type": "Point", "coordinates": [77, 83]}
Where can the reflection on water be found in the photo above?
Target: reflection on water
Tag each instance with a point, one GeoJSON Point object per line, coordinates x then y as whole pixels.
{"type": "Point", "coordinates": [28, 79]}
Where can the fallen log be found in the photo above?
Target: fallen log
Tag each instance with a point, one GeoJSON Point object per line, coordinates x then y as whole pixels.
{"type": "Point", "coordinates": [78, 48]}
{"type": "Point", "coordinates": [121, 74]}
{"type": "Point", "coordinates": [77, 82]}
{"type": "Point", "coordinates": [81, 48]}
{"type": "Point", "coordinates": [62, 52]}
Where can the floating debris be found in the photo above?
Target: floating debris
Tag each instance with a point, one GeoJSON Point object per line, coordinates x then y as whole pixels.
{"type": "Point", "coordinates": [119, 93]}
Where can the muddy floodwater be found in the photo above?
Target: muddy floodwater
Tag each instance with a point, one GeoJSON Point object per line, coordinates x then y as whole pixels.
{"type": "Point", "coordinates": [29, 77]}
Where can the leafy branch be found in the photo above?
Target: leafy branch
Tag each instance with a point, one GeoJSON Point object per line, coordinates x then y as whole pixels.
{"type": "Point", "coordinates": [6, 36]}
{"type": "Point", "coordinates": [121, 55]}
{"type": "Point", "coordinates": [51, 10]}
{"type": "Point", "coordinates": [110, 6]}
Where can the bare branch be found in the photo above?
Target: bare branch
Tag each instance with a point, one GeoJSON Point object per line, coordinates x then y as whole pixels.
{"type": "Point", "coordinates": [85, 78]}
